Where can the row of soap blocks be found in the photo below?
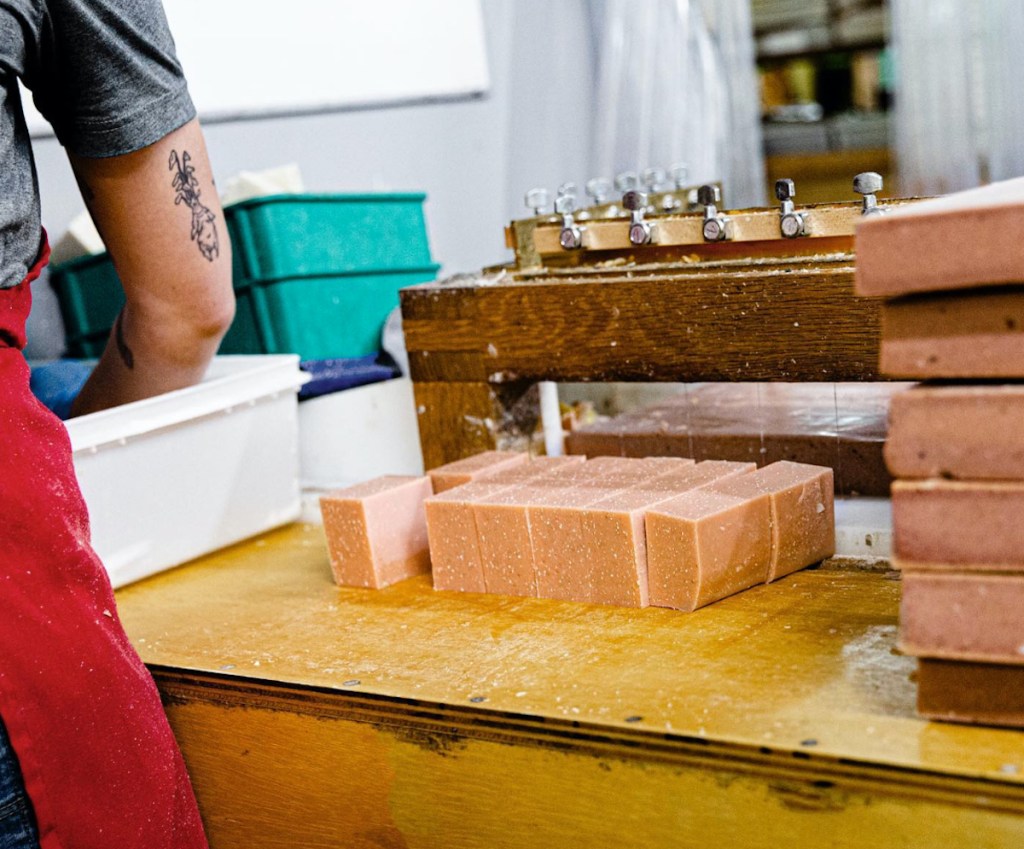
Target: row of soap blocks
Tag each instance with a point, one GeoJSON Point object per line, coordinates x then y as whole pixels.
{"type": "Point", "coordinates": [623, 531]}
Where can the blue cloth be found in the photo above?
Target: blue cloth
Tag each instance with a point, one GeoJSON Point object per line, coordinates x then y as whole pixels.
{"type": "Point", "coordinates": [17, 820]}
{"type": "Point", "coordinates": [57, 384]}
{"type": "Point", "coordinates": [337, 374]}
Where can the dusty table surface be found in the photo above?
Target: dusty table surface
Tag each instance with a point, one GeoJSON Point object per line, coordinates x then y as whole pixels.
{"type": "Point", "coordinates": [806, 665]}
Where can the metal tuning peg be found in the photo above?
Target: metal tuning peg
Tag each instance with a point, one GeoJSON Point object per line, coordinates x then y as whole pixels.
{"type": "Point", "coordinates": [653, 178]}
{"type": "Point", "coordinates": [640, 232]}
{"type": "Point", "coordinates": [626, 181]}
{"type": "Point", "coordinates": [571, 237]}
{"type": "Point", "coordinates": [674, 200]}
{"type": "Point", "coordinates": [868, 184]}
{"type": "Point", "coordinates": [679, 173]}
{"type": "Point", "coordinates": [717, 227]}
{"type": "Point", "coordinates": [792, 224]}
{"type": "Point", "coordinates": [536, 200]}
{"type": "Point", "coordinates": [598, 189]}
{"type": "Point", "coordinates": [567, 189]}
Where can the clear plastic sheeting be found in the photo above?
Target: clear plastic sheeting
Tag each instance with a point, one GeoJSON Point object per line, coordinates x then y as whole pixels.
{"type": "Point", "coordinates": [1002, 32]}
{"type": "Point", "coordinates": [958, 114]}
{"type": "Point", "coordinates": [677, 85]}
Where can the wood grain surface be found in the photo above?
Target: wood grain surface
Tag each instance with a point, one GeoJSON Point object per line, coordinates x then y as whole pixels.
{"type": "Point", "coordinates": [690, 325]}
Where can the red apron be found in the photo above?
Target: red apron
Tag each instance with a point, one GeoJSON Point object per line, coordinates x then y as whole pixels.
{"type": "Point", "coordinates": [100, 764]}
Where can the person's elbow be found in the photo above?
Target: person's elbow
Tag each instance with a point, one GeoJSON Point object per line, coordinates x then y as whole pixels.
{"type": "Point", "coordinates": [210, 322]}
{"type": "Point", "coordinates": [184, 318]}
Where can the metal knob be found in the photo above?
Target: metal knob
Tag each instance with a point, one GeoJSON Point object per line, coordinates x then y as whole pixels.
{"type": "Point", "coordinates": [571, 236]}
{"type": "Point", "coordinates": [868, 184]}
{"type": "Point", "coordinates": [537, 200]}
{"type": "Point", "coordinates": [792, 224]}
{"type": "Point", "coordinates": [640, 232]}
{"type": "Point", "coordinates": [626, 181]}
{"type": "Point", "coordinates": [598, 189]}
{"type": "Point", "coordinates": [652, 178]}
{"type": "Point", "coordinates": [717, 227]}
{"type": "Point", "coordinates": [567, 189]}
{"type": "Point", "coordinates": [679, 174]}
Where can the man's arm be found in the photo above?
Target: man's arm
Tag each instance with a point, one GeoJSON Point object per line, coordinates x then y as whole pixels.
{"type": "Point", "coordinates": [158, 213]}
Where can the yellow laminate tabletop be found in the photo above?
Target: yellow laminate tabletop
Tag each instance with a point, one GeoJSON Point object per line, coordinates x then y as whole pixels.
{"type": "Point", "coordinates": [806, 665]}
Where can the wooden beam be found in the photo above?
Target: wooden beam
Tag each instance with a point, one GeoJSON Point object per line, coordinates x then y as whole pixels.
{"type": "Point", "coordinates": [802, 324]}
{"type": "Point", "coordinates": [460, 419]}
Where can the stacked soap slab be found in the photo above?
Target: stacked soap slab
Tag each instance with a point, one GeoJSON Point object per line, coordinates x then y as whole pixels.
{"type": "Point", "coordinates": [629, 531]}
{"type": "Point", "coordinates": [952, 272]}
{"type": "Point", "coordinates": [838, 425]}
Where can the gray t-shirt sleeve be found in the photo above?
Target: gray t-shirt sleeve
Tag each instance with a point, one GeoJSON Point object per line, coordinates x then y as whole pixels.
{"type": "Point", "coordinates": [106, 76]}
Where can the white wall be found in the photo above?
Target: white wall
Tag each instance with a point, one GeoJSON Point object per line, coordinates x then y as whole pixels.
{"type": "Point", "coordinates": [474, 159]}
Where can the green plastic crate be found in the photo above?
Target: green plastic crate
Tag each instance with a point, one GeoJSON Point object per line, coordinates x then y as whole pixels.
{"type": "Point", "coordinates": [89, 294]}
{"type": "Point", "coordinates": [320, 235]}
{"type": "Point", "coordinates": [315, 275]}
{"type": "Point", "coordinates": [87, 346]}
{"type": "Point", "coordinates": [339, 315]}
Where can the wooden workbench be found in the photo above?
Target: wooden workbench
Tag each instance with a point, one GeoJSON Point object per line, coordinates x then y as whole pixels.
{"type": "Point", "coordinates": [313, 716]}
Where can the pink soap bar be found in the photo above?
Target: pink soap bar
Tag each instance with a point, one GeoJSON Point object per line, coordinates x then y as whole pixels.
{"type": "Point", "coordinates": [468, 469]}
{"type": "Point", "coordinates": [803, 523]}
{"type": "Point", "coordinates": [376, 531]}
{"type": "Point", "coordinates": [952, 242]}
{"type": "Point", "coordinates": [706, 472]}
{"type": "Point", "coordinates": [963, 616]}
{"type": "Point", "coordinates": [612, 568]}
{"type": "Point", "coordinates": [454, 549]}
{"type": "Point", "coordinates": [974, 523]}
{"type": "Point", "coordinates": [704, 545]}
{"type": "Point", "coordinates": [539, 468]}
{"type": "Point", "coordinates": [954, 335]}
{"type": "Point", "coordinates": [962, 432]}
{"type": "Point", "coordinates": [503, 534]}
{"type": "Point", "coordinates": [557, 538]}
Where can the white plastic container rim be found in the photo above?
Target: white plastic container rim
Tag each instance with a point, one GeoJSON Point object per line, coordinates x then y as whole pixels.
{"type": "Point", "coordinates": [226, 385]}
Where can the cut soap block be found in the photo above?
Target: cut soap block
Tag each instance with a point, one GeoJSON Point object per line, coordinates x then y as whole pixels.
{"type": "Point", "coordinates": [556, 537]}
{"type": "Point", "coordinates": [454, 550]}
{"type": "Point", "coordinates": [962, 691]}
{"type": "Point", "coordinates": [539, 468]}
{"type": "Point", "coordinates": [955, 335]}
{"type": "Point", "coordinates": [803, 520]}
{"type": "Point", "coordinates": [976, 524]}
{"type": "Point", "coordinates": [472, 468]}
{"type": "Point", "coordinates": [952, 242]}
{"type": "Point", "coordinates": [503, 535]}
{"type": "Point", "coordinates": [963, 616]}
{"type": "Point", "coordinates": [704, 545]}
{"type": "Point", "coordinates": [962, 432]}
{"type": "Point", "coordinates": [841, 425]}
{"type": "Point", "coordinates": [376, 531]}
{"type": "Point", "coordinates": [613, 565]}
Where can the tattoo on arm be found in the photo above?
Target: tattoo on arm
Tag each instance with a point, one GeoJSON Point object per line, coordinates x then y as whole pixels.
{"type": "Point", "coordinates": [186, 187]}
{"type": "Point", "coordinates": [122, 346]}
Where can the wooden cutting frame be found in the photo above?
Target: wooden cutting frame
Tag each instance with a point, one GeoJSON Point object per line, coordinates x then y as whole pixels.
{"type": "Point", "coordinates": [756, 308]}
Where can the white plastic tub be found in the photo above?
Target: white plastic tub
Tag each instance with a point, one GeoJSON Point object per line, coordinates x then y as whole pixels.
{"type": "Point", "coordinates": [177, 476]}
{"type": "Point", "coordinates": [356, 434]}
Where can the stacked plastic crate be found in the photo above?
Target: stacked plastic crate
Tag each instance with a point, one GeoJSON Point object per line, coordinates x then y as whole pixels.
{"type": "Point", "coordinates": [314, 274]}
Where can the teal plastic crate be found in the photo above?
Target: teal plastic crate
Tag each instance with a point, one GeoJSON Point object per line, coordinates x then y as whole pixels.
{"type": "Point", "coordinates": [90, 297]}
{"type": "Point", "coordinates": [88, 346]}
{"type": "Point", "coordinates": [315, 275]}
{"type": "Point", "coordinates": [338, 315]}
{"type": "Point", "coordinates": [89, 294]}
{"type": "Point", "coordinates": [320, 235]}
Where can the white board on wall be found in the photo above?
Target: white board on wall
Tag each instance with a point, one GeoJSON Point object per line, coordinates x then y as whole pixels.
{"type": "Point", "coordinates": [250, 58]}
